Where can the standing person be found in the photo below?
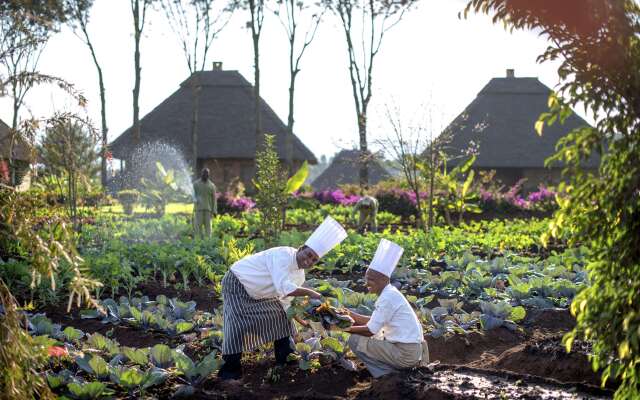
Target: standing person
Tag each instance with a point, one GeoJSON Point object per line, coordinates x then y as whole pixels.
{"type": "Point", "coordinates": [392, 338]}
{"type": "Point", "coordinates": [206, 204]}
{"type": "Point", "coordinates": [368, 208]}
{"type": "Point", "coordinates": [252, 289]}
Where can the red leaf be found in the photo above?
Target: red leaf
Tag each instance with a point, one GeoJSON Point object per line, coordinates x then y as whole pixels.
{"type": "Point", "coordinates": [57, 351]}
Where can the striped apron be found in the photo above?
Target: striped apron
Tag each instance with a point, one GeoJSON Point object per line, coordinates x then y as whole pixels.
{"type": "Point", "coordinates": [249, 323]}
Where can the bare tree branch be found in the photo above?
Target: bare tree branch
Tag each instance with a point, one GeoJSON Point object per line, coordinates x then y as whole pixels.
{"type": "Point", "coordinates": [374, 16]}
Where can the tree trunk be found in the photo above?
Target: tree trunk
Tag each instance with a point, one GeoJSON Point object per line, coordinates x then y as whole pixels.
{"type": "Point", "coordinates": [136, 60]}
{"type": "Point", "coordinates": [105, 130]}
{"type": "Point", "coordinates": [256, 90]}
{"type": "Point", "coordinates": [432, 177]}
{"type": "Point", "coordinates": [103, 113]}
{"type": "Point", "coordinates": [12, 142]}
{"type": "Point", "coordinates": [195, 90]}
{"type": "Point", "coordinates": [419, 219]}
{"type": "Point", "coordinates": [290, 121]}
{"type": "Point", "coordinates": [292, 84]}
{"type": "Point", "coordinates": [364, 154]}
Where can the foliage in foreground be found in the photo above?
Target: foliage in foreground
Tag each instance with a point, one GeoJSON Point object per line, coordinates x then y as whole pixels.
{"type": "Point", "coordinates": [21, 358]}
{"type": "Point", "coordinates": [598, 44]}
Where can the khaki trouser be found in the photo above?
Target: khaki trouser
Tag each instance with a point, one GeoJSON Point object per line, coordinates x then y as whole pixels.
{"type": "Point", "coordinates": [202, 219]}
{"type": "Point", "coordinates": [382, 357]}
{"type": "Point", "coordinates": [368, 216]}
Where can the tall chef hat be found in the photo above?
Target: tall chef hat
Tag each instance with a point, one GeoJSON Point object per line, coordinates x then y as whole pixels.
{"type": "Point", "coordinates": [327, 236]}
{"type": "Point", "coordinates": [386, 258]}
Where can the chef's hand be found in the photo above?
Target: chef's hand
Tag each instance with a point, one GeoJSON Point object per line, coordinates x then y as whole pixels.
{"type": "Point", "coordinates": [302, 321]}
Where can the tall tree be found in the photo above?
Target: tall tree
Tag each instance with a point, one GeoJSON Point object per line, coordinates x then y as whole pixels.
{"type": "Point", "coordinates": [597, 45]}
{"type": "Point", "coordinates": [196, 23]}
{"type": "Point", "coordinates": [406, 143]}
{"type": "Point", "coordinates": [139, 12]}
{"type": "Point", "coordinates": [68, 150]}
{"type": "Point", "coordinates": [365, 23]}
{"type": "Point", "coordinates": [291, 14]}
{"type": "Point", "coordinates": [23, 35]}
{"type": "Point", "coordinates": [256, 13]}
{"type": "Point", "coordinates": [44, 246]}
{"type": "Point", "coordinates": [256, 9]}
{"type": "Point", "coordinates": [81, 10]}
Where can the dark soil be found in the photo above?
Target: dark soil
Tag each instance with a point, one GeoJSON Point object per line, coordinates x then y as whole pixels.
{"type": "Point", "coordinates": [293, 383]}
{"type": "Point", "coordinates": [204, 296]}
{"type": "Point", "coordinates": [125, 335]}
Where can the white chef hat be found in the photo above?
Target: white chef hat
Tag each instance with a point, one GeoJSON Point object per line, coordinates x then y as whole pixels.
{"type": "Point", "coordinates": [327, 236]}
{"type": "Point", "coordinates": [386, 258]}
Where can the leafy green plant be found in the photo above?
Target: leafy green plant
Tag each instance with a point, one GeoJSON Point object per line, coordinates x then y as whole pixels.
{"type": "Point", "coordinates": [232, 250]}
{"type": "Point", "coordinates": [335, 346]}
{"type": "Point", "coordinates": [99, 342]}
{"type": "Point", "coordinates": [195, 373]}
{"type": "Point", "coordinates": [128, 199]}
{"type": "Point", "coordinates": [39, 325]}
{"type": "Point", "coordinates": [161, 356]}
{"type": "Point", "coordinates": [133, 379]}
{"type": "Point", "coordinates": [308, 359]}
{"type": "Point", "coordinates": [449, 318]}
{"type": "Point", "coordinates": [137, 356]}
{"type": "Point", "coordinates": [317, 311]}
{"type": "Point", "coordinates": [159, 190]}
{"type": "Point", "coordinates": [87, 391]}
{"type": "Point", "coordinates": [61, 378]}
{"type": "Point", "coordinates": [457, 197]}
{"type": "Point", "coordinates": [495, 315]}
{"type": "Point", "coordinates": [94, 365]}
{"type": "Point", "coordinates": [271, 184]}
{"type": "Point", "coordinates": [68, 150]}
{"type": "Point", "coordinates": [70, 334]}
{"type": "Point", "coordinates": [182, 310]}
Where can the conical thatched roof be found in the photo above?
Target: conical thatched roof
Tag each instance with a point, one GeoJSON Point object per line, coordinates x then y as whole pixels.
{"type": "Point", "coordinates": [226, 127]}
{"type": "Point", "coordinates": [500, 123]}
{"type": "Point", "coordinates": [345, 169]}
{"type": "Point", "coordinates": [20, 149]}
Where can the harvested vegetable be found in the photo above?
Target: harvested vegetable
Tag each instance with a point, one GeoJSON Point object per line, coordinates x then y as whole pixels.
{"type": "Point", "coordinates": [325, 313]}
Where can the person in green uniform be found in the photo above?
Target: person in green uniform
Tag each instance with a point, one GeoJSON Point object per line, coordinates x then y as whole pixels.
{"type": "Point", "coordinates": [368, 208]}
{"type": "Point", "coordinates": [206, 204]}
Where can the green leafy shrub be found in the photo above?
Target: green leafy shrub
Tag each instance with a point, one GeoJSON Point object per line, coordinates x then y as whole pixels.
{"type": "Point", "coordinates": [271, 184]}
{"type": "Point", "coordinates": [128, 199]}
{"type": "Point", "coordinates": [599, 208]}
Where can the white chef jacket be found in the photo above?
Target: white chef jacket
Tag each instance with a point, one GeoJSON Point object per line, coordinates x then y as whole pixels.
{"type": "Point", "coordinates": [297, 277]}
{"type": "Point", "coordinates": [268, 274]}
{"type": "Point", "coordinates": [393, 318]}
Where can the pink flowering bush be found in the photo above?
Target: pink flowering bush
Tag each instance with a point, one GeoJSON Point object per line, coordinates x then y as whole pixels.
{"type": "Point", "coordinates": [336, 196]}
{"type": "Point", "coordinates": [227, 203]}
{"type": "Point", "coordinates": [513, 199]}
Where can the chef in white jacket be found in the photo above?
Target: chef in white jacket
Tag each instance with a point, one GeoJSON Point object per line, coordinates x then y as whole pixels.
{"type": "Point", "coordinates": [252, 291]}
{"type": "Point", "coordinates": [392, 338]}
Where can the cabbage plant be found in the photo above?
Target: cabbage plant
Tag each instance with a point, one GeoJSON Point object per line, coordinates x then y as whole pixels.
{"type": "Point", "coordinates": [501, 313]}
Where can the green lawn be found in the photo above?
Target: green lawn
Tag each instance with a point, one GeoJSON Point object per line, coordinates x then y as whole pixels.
{"type": "Point", "coordinates": [172, 208]}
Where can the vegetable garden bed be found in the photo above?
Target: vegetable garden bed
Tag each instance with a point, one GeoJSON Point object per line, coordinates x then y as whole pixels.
{"type": "Point", "coordinates": [490, 298]}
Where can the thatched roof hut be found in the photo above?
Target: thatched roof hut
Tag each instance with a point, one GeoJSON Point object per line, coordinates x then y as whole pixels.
{"type": "Point", "coordinates": [226, 138]}
{"type": "Point", "coordinates": [345, 169]}
{"type": "Point", "coordinates": [499, 126]}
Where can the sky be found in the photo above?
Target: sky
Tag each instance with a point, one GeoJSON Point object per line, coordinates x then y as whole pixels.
{"type": "Point", "coordinates": [431, 60]}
